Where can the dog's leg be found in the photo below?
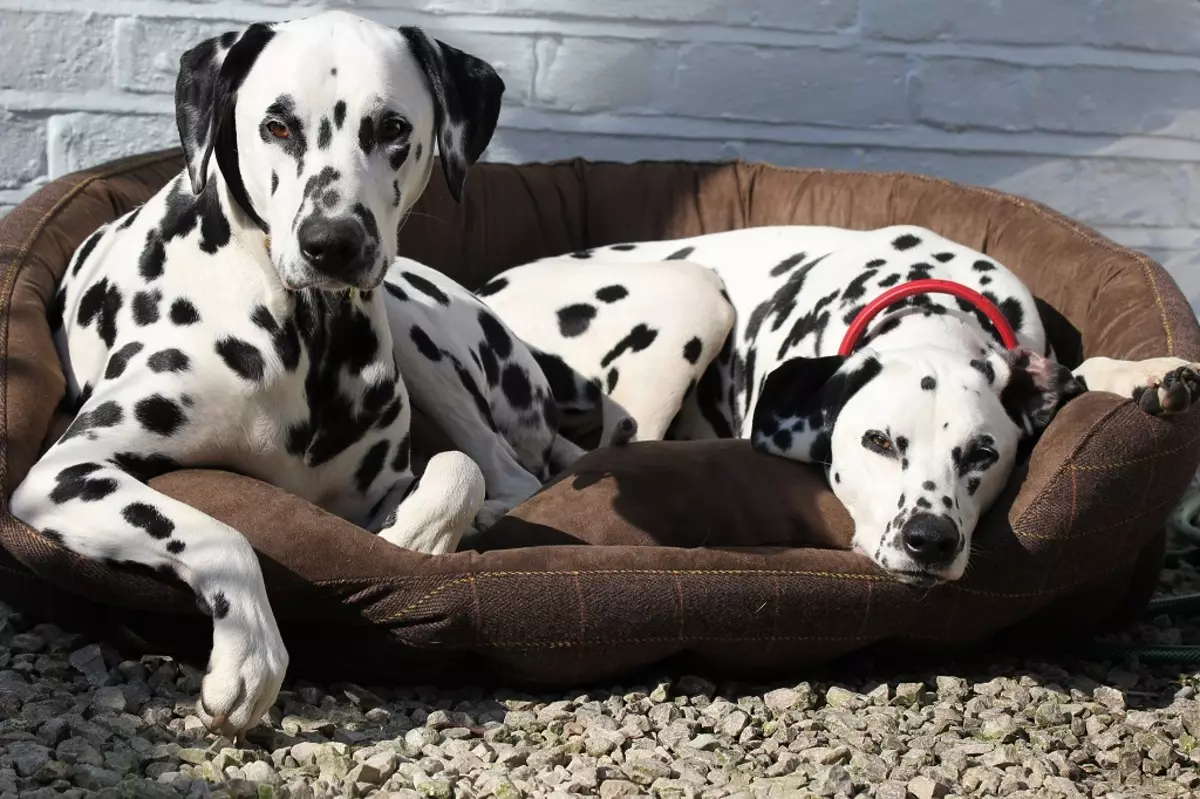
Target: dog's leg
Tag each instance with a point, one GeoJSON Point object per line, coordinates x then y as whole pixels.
{"type": "Point", "coordinates": [431, 512]}
{"type": "Point", "coordinates": [1160, 386]}
{"type": "Point", "coordinates": [87, 494]}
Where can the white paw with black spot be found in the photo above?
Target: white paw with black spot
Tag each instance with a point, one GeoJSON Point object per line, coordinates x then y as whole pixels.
{"type": "Point", "coordinates": [245, 669]}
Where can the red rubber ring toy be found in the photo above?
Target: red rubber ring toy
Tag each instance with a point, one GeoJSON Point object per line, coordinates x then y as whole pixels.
{"type": "Point", "coordinates": [927, 286]}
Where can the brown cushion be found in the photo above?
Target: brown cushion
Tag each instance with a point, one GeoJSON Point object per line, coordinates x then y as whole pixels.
{"type": "Point", "coordinates": [707, 550]}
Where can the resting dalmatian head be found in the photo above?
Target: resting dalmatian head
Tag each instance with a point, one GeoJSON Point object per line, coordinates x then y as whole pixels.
{"type": "Point", "coordinates": [323, 131]}
{"type": "Point", "coordinates": [917, 443]}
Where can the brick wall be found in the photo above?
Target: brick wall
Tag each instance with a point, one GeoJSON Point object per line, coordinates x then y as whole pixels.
{"type": "Point", "coordinates": [1092, 106]}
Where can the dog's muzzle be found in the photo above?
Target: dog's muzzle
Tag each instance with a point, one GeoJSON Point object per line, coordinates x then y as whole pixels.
{"type": "Point", "coordinates": [338, 248]}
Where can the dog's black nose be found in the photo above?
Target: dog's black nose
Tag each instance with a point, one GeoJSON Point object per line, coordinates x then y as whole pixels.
{"type": "Point", "coordinates": [930, 540]}
{"type": "Point", "coordinates": [333, 246]}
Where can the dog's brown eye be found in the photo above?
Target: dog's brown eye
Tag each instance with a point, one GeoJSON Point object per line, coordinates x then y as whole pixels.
{"type": "Point", "coordinates": [278, 129]}
{"type": "Point", "coordinates": [392, 128]}
{"type": "Point", "coordinates": [873, 439]}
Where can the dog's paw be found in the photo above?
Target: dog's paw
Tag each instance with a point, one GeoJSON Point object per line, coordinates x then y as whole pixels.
{"type": "Point", "coordinates": [1174, 391]}
{"type": "Point", "coordinates": [245, 670]}
{"type": "Point", "coordinates": [493, 511]}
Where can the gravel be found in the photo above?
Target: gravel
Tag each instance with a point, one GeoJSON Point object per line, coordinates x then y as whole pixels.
{"type": "Point", "coordinates": [79, 718]}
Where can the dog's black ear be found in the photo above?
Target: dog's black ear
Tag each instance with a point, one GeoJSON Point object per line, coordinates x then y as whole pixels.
{"type": "Point", "coordinates": [205, 91]}
{"type": "Point", "coordinates": [801, 400]}
{"type": "Point", "coordinates": [1035, 389]}
{"type": "Point", "coordinates": [466, 97]}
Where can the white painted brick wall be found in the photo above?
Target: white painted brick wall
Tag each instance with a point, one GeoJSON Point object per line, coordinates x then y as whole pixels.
{"type": "Point", "coordinates": [1092, 106]}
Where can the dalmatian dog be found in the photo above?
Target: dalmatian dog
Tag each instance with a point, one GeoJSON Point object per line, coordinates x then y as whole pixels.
{"type": "Point", "coordinates": [251, 316]}
{"type": "Point", "coordinates": [917, 430]}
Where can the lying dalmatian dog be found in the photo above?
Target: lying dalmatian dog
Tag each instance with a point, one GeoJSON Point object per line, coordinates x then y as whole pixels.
{"type": "Point", "coordinates": [250, 317]}
{"type": "Point", "coordinates": [918, 429]}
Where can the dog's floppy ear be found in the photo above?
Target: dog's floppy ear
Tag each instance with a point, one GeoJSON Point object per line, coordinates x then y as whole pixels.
{"type": "Point", "coordinates": [801, 400]}
{"type": "Point", "coordinates": [1035, 387]}
{"type": "Point", "coordinates": [466, 98]}
{"type": "Point", "coordinates": [205, 90]}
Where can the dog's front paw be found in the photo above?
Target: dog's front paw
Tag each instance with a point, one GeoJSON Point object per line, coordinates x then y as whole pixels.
{"type": "Point", "coordinates": [493, 511]}
{"type": "Point", "coordinates": [245, 670]}
{"type": "Point", "coordinates": [1171, 392]}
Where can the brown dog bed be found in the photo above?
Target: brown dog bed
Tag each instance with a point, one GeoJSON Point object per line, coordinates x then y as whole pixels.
{"type": "Point", "coordinates": [736, 560]}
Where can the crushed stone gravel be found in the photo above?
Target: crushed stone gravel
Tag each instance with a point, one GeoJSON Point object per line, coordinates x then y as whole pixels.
{"type": "Point", "coordinates": [78, 718]}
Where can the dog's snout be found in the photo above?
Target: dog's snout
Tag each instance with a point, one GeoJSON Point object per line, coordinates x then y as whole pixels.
{"type": "Point", "coordinates": [932, 541]}
{"type": "Point", "coordinates": [333, 246]}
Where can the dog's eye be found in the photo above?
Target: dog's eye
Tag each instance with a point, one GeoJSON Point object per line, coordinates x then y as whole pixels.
{"type": "Point", "coordinates": [278, 129]}
{"type": "Point", "coordinates": [877, 441]}
{"type": "Point", "coordinates": [392, 128]}
{"type": "Point", "coordinates": [982, 457]}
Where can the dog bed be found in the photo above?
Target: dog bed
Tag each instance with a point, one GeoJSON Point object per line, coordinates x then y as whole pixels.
{"type": "Point", "coordinates": [735, 561]}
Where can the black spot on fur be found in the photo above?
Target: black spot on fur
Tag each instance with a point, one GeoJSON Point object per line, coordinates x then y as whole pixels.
{"type": "Point", "coordinates": [923, 503]}
{"type": "Point", "coordinates": [985, 280]}
{"type": "Point", "coordinates": [1013, 312]}
{"type": "Point", "coordinates": [983, 266]}
{"type": "Point", "coordinates": [612, 293]}
{"type": "Point", "coordinates": [928, 383]}
{"type": "Point", "coordinates": [427, 288]}
{"type": "Point", "coordinates": [86, 248]}
{"type": "Point", "coordinates": [875, 263]}
{"type": "Point", "coordinates": [284, 337]}
{"type": "Point", "coordinates": [973, 486]}
{"type": "Point", "coordinates": [339, 113]}
{"type": "Point", "coordinates": [679, 255]}
{"type": "Point", "coordinates": [366, 135]}
{"type": "Point", "coordinates": [944, 257]}
{"type": "Point", "coordinates": [396, 194]}
{"type": "Point", "coordinates": [397, 156]}
{"type": "Point", "coordinates": [582, 254]}
{"type": "Point", "coordinates": [890, 280]}
{"type": "Point", "coordinates": [837, 478]}
{"type": "Point", "coordinates": [692, 350]}
{"type": "Point", "coordinates": [492, 286]}
{"type": "Point", "coordinates": [390, 414]}
{"type": "Point", "coordinates": [496, 335]}
{"type": "Point", "coordinates": [169, 360]}
{"type": "Point", "coordinates": [184, 313]}
{"type": "Point", "coordinates": [106, 414]}
{"type": "Point", "coordinates": [623, 247]}
{"type": "Point", "coordinates": [74, 482]}
{"type": "Point", "coordinates": [370, 466]}
{"type": "Point", "coordinates": [144, 468]}
{"type": "Point", "coordinates": [574, 320]}
{"type": "Point", "coordinates": [274, 182]}
{"type": "Point", "coordinates": [906, 242]}
{"type": "Point", "coordinates": [425, 344]}
{"type": "Point", "coordinates": [153, 257]}
{"type": "Point", "coordinates": [130, 218]}
{"type": "Point", "coordinates": [242, 357]}
{"type": "Point", "coordinates": [219, 605]}
{"type": "Point", "coordinates": [324, 134]}
{"type": "Point", "coordinates": [928, 485]}
{"type": "Point", "coordinates": [902, 444]}
{"type": "Point", "coordinates": [419, 151]}
{"type": "Point", "coordinates": [176, 546]}
{"type": "Point", "coordinates": [101, 303]}
{"type": "Point", "coordinates": [900, 504]}
{"type": "Point", "coordinates": [120, 359]}
{"type": "Point", "coordinates": [515, 384]}
{"type": "Point", "coordinates": [947, 503]}
{"type": "Point", "coordinates": [637, 340]}
{"type": "Point", "coordinates": [920, 271]}
{"type": "Point", "coordinates": [985, 368]}
{"type": "Point", "coordinates": [856, 288]}
{"type": "Point", "coordinates": [787, 264]}
{"type": "Point", "coordinates": [159, 415]}
{"type": "Point", "coordinates": [148, 518]}
{"type": "Point", "coordinates": [145, 307]}
{"type": "Point", "coordinates": [611, 380]}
